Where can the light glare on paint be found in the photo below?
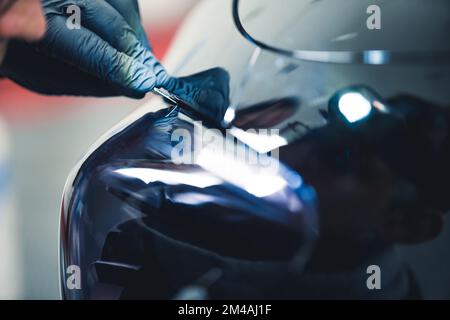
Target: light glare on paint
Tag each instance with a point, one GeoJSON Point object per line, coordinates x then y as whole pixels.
{"type": "Point", "coordinates": [354, 106]}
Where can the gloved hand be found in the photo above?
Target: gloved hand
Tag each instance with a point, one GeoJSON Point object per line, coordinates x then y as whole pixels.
{"type": "Point", "coordinates": [207, 92]}
{"type": "Point", "coordinates": [110, 54]}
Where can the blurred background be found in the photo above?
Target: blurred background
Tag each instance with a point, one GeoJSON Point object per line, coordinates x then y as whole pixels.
{"type": "Point", "coordinates": [41, 139]}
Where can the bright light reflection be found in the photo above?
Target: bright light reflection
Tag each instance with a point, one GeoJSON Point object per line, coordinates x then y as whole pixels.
{"type": "Point", "coordinates": [148, 175]}
{"type": "Point", "coordinates": [376, 57]}
{"type": "Point", "coordinates": [192, 198]}
{"type": "Point", "coordinates": [260, 183]}
{"type": "Point", "coordinates": [229, 116]}
{"type": "Point", "coordinates": [259, 142]}
{"type": "Point", "coordinates": [354, 106]}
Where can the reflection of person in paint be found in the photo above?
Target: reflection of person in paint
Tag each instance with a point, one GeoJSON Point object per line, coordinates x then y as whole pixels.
{"type": "Point", "coordinates": [367, 204]}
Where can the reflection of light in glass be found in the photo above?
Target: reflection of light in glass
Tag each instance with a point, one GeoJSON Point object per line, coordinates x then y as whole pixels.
{"type": "Point", "coordinates": [354, 106]}
{"type": "Point", "coordinates": [259, 182]}
{"type": "Point", "coordinates": [147, 175]}
{"type": "Point", "coordinates": [259, 142]}
{"type": "Point", "coordinates": [229, 115]}
{"type": "Point", "coordinates": [380, 106]}
{"type": "Point", "coordinates": [376, 57]}
{"type": "Point", "coordinates": [294, 180]}
{"type": "Point", "coordinates": [192, 198]}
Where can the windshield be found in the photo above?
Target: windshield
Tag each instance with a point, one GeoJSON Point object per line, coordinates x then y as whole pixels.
{"type": "Point", "coordinates": [351, 25]}
{"type": "Point", "coordinates": [260, 77]}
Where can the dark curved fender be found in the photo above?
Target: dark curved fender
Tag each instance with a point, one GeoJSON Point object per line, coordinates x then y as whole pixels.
{"type": "Point", "coordinates": [140, 226]}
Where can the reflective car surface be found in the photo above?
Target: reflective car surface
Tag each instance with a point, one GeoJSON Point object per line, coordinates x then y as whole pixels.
{"type": "Point", "coordinates": [349, 160]}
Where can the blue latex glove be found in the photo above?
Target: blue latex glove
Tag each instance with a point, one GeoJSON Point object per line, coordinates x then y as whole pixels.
{"type": "Point", "coordinates": [207, 92]}
{"type": "Point", "coordinates": [110, 54]}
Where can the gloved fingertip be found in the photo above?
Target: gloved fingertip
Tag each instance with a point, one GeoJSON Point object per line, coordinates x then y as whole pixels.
{"type": "Point", "coordinates": [147, 82]}
{"type": "Point", "coordinates": [168, 83]}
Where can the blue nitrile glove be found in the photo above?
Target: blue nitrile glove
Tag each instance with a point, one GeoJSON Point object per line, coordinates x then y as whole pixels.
{"type": "Point", "coordinates": [108, 56]}
{"type": "Point", "coordinates": [130, 12]}
{"type": "Point", "coordinates": [207, 91]}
